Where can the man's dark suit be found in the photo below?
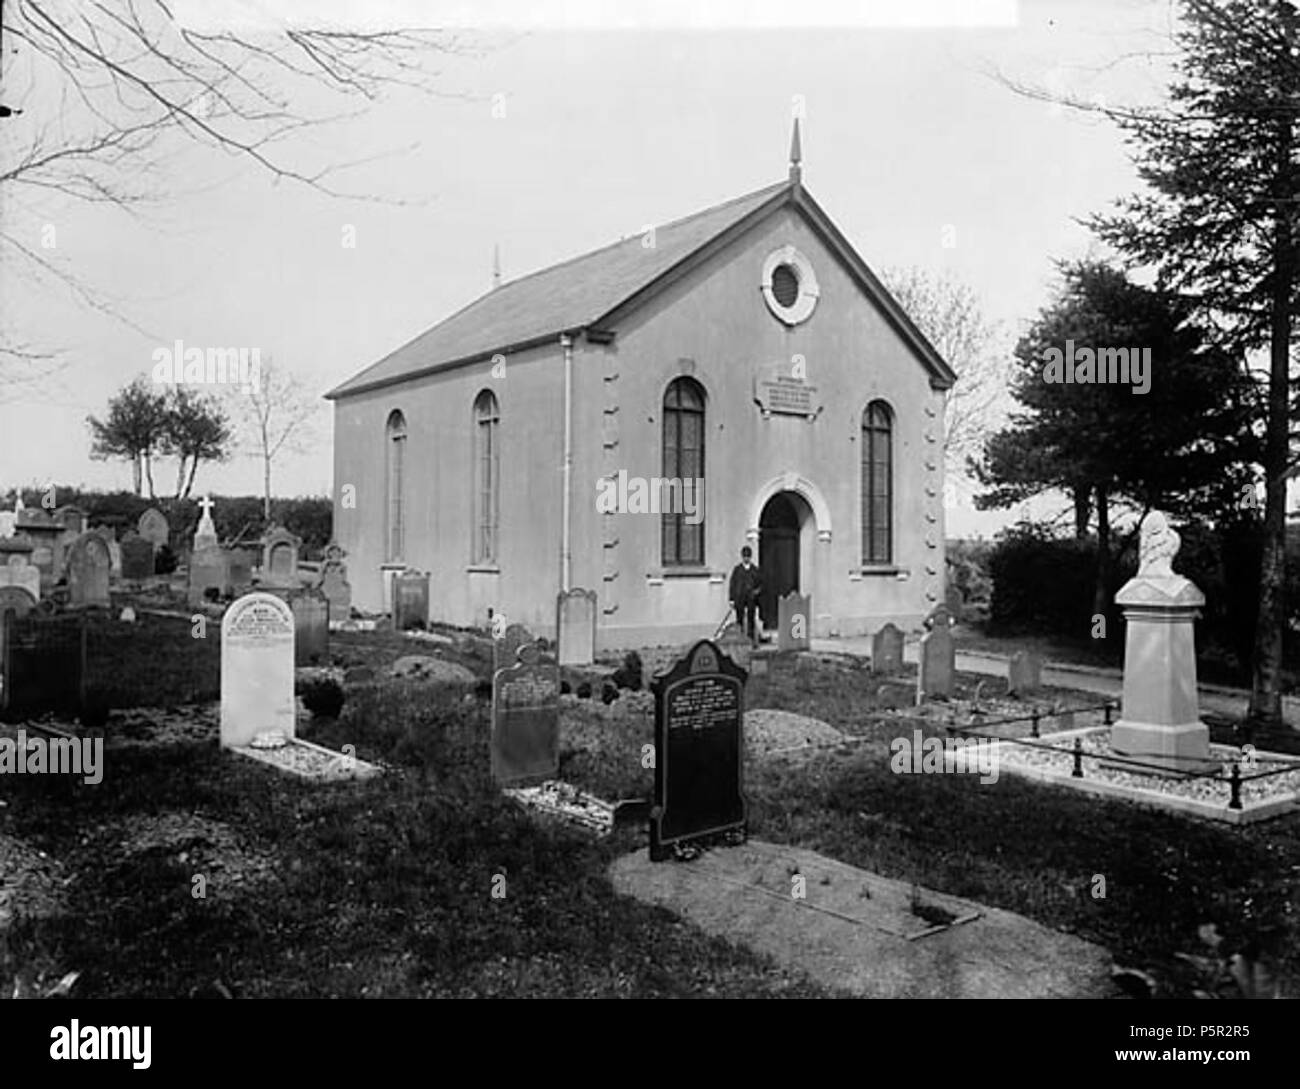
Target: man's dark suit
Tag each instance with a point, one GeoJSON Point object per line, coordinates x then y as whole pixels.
{"type": "Point", "coordinates": [746, 586]}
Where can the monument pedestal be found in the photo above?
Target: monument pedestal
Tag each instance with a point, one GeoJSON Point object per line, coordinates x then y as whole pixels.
{"type": "Point", "coordinates": [1160, 721]}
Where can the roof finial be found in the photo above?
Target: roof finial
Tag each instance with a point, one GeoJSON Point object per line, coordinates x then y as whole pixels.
{"type": "Point", "coordinates": [496, 264]}
{"type": "Point", "coordinates": [796, 155]}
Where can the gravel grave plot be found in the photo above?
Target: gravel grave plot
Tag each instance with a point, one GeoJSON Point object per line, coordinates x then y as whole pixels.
{"type": "Point", "coordinates": [206, 846]}
{"type": "Point", "coordinates": [31, 882]}
{"type": "Point", "coordinates": [311, 762]}
{"type": "Point", "coordinates": [1212, 791]}
{"type": "Point", "coordinates": [563, 800]}
{"type": "Point", "coordinates": [1053, 715]}
{"type": "Point", "coordinates": [768, 731]}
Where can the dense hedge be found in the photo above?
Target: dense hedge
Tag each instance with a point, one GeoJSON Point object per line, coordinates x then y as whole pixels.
{"type": "Point", "coordinates": [1043, 585]}
{"type": "Point", "coordinates": [310, 517]}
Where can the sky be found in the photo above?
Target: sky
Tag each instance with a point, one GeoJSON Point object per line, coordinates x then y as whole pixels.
{"type": "Point", "coordinates": [555, 135]}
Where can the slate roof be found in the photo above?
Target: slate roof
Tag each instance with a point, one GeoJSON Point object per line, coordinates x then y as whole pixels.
{"type": "Point", "coordinates": [576, 294]}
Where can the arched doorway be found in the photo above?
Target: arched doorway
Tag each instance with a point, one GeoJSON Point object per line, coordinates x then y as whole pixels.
{"type": "Point", "coordinates": [785, 530]}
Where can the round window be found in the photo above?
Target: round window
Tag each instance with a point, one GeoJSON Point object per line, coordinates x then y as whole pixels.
{"type": "Point", "coordinates": [785, 285]}
{"type": "Point", "coordinates": [789, 286]}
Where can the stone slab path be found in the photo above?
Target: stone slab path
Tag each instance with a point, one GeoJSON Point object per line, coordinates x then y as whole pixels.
{"type": "Point", "coordinates": [860, 933]}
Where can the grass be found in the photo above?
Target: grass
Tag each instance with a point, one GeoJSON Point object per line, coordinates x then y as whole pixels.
{"type": "Point", "coordinates": [385, 887]}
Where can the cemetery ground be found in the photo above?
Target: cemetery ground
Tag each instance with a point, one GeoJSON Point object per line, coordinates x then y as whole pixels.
{"type": "Point", "coordinates": [383, 887]}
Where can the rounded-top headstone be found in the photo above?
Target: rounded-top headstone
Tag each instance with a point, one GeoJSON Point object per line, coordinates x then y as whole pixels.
{"type": "Point", "coordinates": [257, 636]}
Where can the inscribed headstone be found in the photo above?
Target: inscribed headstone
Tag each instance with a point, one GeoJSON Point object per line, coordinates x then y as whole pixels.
{"type": "Point", "coordinates": [153, 528]}
{"type": "Point", "coordinates": [1024, 673]}
{"type": "Point", "coordinates": [699, 745]}
{"type": "Point", "coordinates": [887, 650]}
{"type": "Point", "coordinates": [89, 566]}
{"type": "Point", "coordinates": [137, 559]}
{"type": "Point", "coordinates": [576, 627]}
{"type": "Point", "coordinates": [937, 672]}
{"type": "Point", "coordinates": [311, 617]}
{"type": "Point", "coordinates": [526, 719]}
{"type": "Point", "coordinates": [257, 635]}
{"type": "Point", "coordinates": [794, 621]}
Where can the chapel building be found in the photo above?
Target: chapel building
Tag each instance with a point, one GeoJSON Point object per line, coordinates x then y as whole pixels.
{"type": "Point", "coordinates": [746, 355]}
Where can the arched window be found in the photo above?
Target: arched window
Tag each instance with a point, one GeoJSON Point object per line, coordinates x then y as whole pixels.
{"type": "Point", "coordinates": [682, 517]}
{"type": "Point", "coordinates": [487, 462]}
{"type": "Point", "coordinates": [877, 484]}
{"type": "Point", "coordinates": [396, 477]}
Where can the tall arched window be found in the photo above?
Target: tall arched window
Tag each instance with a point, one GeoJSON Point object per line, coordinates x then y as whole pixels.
{"type": "Point", "coordinates": [396, 474]}
{"type": "Point", "coordinates": [487, 462]}
{"type": "Point", "coordinates": [683, 529]}
{"type": "Point", "coordinates": [877, 484]}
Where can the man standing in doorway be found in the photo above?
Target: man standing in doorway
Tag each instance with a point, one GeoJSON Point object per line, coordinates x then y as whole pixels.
{"type": "Point", "coordinates": [746, 586]}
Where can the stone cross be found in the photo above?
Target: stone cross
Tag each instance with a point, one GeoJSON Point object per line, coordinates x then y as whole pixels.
{"type": "Point", "coordinates": [206, 505]}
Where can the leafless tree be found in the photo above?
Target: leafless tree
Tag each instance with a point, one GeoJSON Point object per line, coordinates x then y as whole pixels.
{"type": "Point", "coordinates": [948, 312]}
{"type": "Point", "coordinates": [97, 94]}
{"type": "Point", "coordinates": [275, 415]}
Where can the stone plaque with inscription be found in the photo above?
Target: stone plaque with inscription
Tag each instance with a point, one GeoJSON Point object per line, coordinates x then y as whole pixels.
{"type": "Point", "coordinates": [779, 389]}
{"type": "Point", "coordinates": [526, 718]}
{"type": "Point", "coordinates": [699, 711]}
{"type": "Point", "coordinates": [257, 635]}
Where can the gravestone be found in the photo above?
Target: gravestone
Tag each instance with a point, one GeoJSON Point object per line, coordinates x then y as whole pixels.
{"type": "Point", "coordinates": [239, 570]}
{"type": "Point", "coordinates": [311, 619]}
{"type": "Point", "coordinates": [937, 672]}
{"type": "Point", "coordinates": [153, 528]}
{"type": "Point", "coordinates": [334, 582]}
{"type": "Point", "coordinates": [887, 650]}
{"type": "Point", "coordinates": [505, 648]}
{"type": "Point", "coordinates": [42, 661]}
{"type": "Point", "coordinates": [699, 716]}
{"type": "Point", "coordinates": [735, 644]}
{"type": "Point", "coordinates": [137, 559]}
{"type": "Point", "coordinates": [89, 567]}
{"type": "Point", "coordinates": [794, 621]}
{"type": "Point", "coordinates": [7, 520]}
{"type": "Point", "coordinates": [17, 601]}
{"type": "Point", "coordinates": [1024, 673]}
{"type": "Point", "coordinates": [939, 617]}
{"type": "Point", "coordinates": [1160, 723]}
{"type": "Point", "coordinates": [954, 602]}
{"type": "Point", "coordinates": [206, 534]}
{"type": "Point", "coordinates": [114, 553]}
{"type": "Point", "coordinates": [16, 571]}
{"type": "Point", "coordinates": [575, 627]}
{"type": "Point", "coordinates": [208, 570]}
{"type": "Point", "coordinates": [73, 519]}
{"type": "Point", "coordinates": [257, 635]}
{"type": "Point", "coordinates": [410, 600]}
{"type": "Point", "coordinates": [526, 718]}
{"type": "Point", "coordinates": [280, 558]}
{"type": "Point", "coordinates": [337, 590]}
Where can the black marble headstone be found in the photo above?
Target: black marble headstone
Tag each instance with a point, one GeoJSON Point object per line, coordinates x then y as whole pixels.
{"type": "Point", "coordinates": [44, 667]}
{"type": "Point", "coordinates": [699, 712]}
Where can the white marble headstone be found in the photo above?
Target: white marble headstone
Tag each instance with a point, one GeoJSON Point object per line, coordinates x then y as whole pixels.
{"type": "Point", "coordinates": [256, 669]}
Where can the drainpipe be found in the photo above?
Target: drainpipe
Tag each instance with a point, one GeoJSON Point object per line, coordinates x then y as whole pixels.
{"type": "Point", "coordinates": [566, 549]}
